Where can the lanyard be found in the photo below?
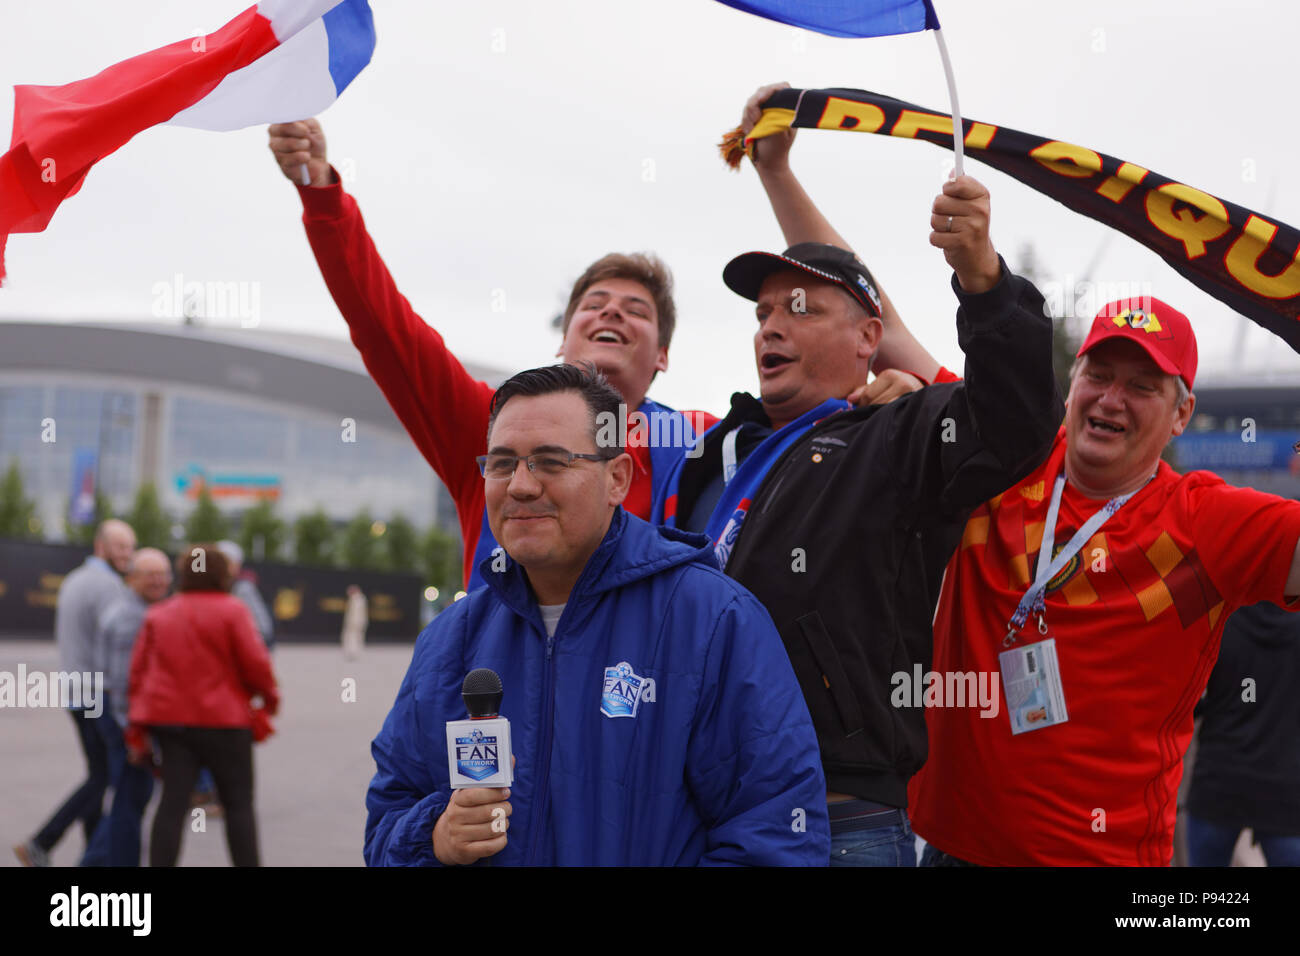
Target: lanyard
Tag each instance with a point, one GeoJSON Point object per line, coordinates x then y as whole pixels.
{"type": "Point", "coordinates": [729, 455]}
{"type": "Point", "coordinates": [1034, 600]}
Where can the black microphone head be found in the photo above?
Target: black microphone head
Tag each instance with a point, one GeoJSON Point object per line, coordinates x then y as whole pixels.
{"type": "Point", "coordinates": [482, 692]}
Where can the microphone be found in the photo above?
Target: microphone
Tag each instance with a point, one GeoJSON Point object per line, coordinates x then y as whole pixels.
{"type": "Point", "coordinates": [478, 749]}
{"type": "Point", "coordinates": [482, 692]}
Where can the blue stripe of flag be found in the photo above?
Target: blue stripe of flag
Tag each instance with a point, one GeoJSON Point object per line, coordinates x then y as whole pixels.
{"type": "Point", "coordinates": [846, 18]}
{"type": "Point", "coordinates": [350, 27]}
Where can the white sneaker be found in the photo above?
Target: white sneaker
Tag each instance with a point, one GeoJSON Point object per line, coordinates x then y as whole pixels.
{"type": "Point", "coordinates": [30, 854]}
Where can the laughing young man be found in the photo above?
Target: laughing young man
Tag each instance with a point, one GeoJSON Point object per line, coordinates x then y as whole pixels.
{"type": "Point", "coordinates": [620, 317]}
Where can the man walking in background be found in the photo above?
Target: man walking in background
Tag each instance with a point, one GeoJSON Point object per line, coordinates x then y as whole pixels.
{"type": "Point", "coordinates": [84, 595]}
{"type": "Point", "coordinates": [117, 838]}
{"type": "Point", "coordinates": [620, 317]}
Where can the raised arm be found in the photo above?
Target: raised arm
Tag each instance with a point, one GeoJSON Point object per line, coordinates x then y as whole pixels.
{"type": "Point", "coordinates": [801, 221]}
{"type": "Point", "coordinates": [442, 406]}
{"type": "Point", "coordinates": [797, 215]}
{"type": "Point", "coordinates": [959, 444]}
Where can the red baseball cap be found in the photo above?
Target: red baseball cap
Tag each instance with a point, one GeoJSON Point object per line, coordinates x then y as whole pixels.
{"type": "Point", "coordinates": [1163, 332]}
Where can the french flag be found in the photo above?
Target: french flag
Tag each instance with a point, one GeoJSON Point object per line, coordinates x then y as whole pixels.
{"type": "Point", "coordinates": [846, 18]}
{"type": "Point", "coordinates": [278, 61]}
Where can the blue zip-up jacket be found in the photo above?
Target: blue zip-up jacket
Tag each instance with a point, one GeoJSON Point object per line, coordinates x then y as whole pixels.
{"type": "Point", "coordinates": [718, 763]}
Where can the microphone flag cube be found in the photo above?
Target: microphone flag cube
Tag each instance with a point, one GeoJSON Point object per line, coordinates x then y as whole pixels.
{"type": "Point", "coordinates": [478, 753]}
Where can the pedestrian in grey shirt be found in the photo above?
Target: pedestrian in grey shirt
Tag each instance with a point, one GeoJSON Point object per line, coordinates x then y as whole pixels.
{"type": "Point", "coordinates": [117, 838]}
{"type": "Point", "coordinates": [85, 594]}
{"type": "Point", "coordinates": [118, 626]}
{"type": "Point", "coordinates": [148, 581]}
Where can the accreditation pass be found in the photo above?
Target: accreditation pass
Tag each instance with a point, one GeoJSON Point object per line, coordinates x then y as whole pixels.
{"type": "Point", "coordinates": [1031, 682]}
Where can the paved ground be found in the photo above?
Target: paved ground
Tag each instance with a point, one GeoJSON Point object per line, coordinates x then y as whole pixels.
{"type": "Point", "coordinates": [311, 777]}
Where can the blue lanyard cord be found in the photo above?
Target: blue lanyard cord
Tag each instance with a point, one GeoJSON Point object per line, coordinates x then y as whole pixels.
{"type": "Point", "coordinates": [1035, 601]}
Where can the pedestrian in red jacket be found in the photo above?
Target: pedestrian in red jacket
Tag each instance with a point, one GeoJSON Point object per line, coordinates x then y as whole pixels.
{"type": "Point", "coordinates": [197, 666]}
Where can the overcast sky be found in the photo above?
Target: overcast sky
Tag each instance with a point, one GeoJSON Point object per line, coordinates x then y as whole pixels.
{"type": "Point", "coordinates": [504, 145]}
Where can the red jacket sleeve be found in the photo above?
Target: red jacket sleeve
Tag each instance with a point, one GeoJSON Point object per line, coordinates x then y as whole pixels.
{"type": "Point", "coordinates": [442, 406]}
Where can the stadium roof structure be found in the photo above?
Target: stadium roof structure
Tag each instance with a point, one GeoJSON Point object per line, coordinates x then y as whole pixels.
{"type": "Point", "coordinates": [283, 367]}
{"type": "Point", "coordinates": [1265, 379]}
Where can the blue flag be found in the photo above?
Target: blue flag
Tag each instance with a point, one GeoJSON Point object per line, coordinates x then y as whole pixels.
{"type": "Point", "coordinates": [846, 18]}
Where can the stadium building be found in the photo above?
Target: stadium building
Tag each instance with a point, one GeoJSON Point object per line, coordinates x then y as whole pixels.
{"type": "Point", "coordinates": [1245, 429]}
{"type": "Point", "coordinates": [254, 414]}
{"type": "Point", "coordinates": [250, 414]}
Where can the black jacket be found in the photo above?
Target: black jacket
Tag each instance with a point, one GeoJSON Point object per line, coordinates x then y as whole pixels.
{"type": "Point", "coordinates": [848, 536]}
{"type": "Point", "coordinates": [1247, 767]}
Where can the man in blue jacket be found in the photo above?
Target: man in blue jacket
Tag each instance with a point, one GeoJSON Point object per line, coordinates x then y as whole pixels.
{"type": "Point", "coordinates": [655, 717]}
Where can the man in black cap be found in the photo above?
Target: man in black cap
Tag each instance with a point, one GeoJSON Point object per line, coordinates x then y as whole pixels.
{"type": "Point", "coordinates": [840, 519]}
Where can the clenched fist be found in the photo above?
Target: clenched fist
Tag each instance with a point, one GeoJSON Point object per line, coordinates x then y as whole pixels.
{"type": "Point", "coordinates": [775, 148]}
{"type": "Point", "coordinates": [960, 220]}
{"type": "Point", "coordinates": [297, 144]}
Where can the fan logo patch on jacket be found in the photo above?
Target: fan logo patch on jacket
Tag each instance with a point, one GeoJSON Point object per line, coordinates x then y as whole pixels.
{"type": "Point", "coordinates": [477, 755]}
{"type": "Point", "coordinates": [622, 691]}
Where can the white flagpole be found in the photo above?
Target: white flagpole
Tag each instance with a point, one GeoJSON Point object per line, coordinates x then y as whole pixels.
{"type": "Point", "coordinates": [952, 101]}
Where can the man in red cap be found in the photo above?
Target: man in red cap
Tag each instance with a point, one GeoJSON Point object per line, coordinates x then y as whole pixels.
{"type": "Point", "coordinates": [1096, 591]}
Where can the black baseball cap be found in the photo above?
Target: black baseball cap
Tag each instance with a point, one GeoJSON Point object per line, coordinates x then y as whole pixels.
{"type": "Point", "coordinates": [744, 274]}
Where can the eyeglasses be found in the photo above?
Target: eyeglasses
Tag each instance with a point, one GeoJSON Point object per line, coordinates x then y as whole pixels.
{"type": "Point", "coordinates": [547, 463]}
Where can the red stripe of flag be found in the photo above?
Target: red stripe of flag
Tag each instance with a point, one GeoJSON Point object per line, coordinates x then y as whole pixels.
{"type": "Point", "coordinates": [61, 131]}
